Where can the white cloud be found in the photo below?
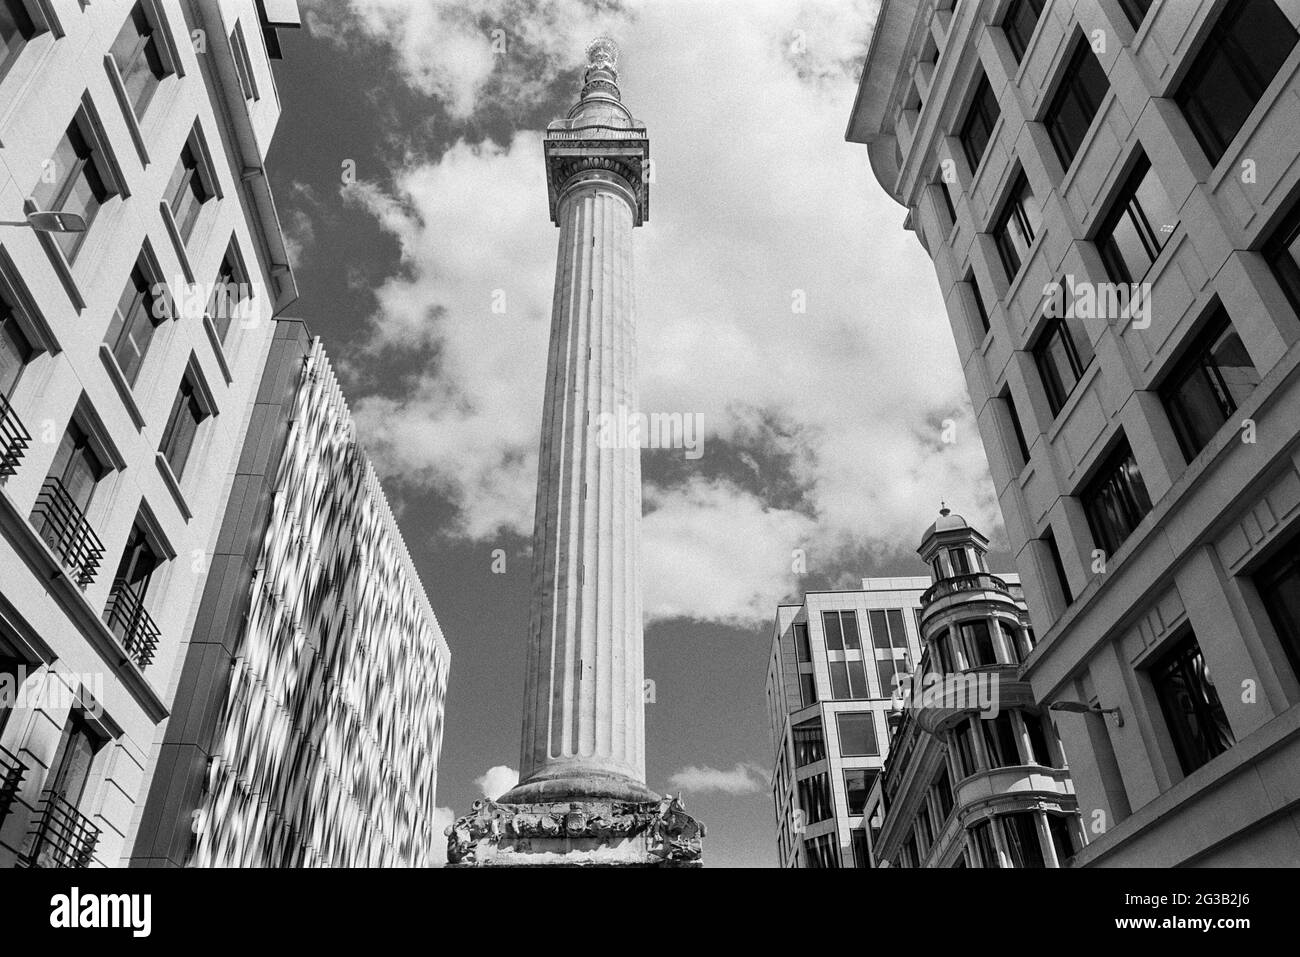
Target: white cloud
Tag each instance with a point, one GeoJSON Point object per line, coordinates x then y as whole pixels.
{"type": "Point", "coordinates": [757, 200]}
{"type": "Point", "coordinates": [742, 779]}
{"type": "Point", "coordinates": [497, 781]}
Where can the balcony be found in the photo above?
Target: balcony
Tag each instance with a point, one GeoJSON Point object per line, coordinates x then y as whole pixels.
{"type": "Point", "coordinates": [63, 836]}
{"type": "Point", "coordinates": [131, 624]}
{"type": "Point", "coordinates": [12, 772]}
{"type": "Point", "coordinates": [60, 521]}
{"type": "Point", "coordinates": [14, 439]}
{"type": "Point", "coordinates": [979, 581]}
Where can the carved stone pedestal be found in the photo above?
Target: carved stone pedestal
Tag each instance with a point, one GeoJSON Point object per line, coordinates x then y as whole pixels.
{"type": "Point", "coordinates": [576, 834]}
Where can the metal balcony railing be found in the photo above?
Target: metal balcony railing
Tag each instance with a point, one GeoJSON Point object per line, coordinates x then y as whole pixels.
{"type": "Point", "coordinates": [63, 835]}
{"type": "Point", "coordinates": [60, 521]}
{"type": "Point", "coordinates": [134, 627]}
{"type": "Point", "coordinates": [14, 439]}
{"type": "Point", "coordinates": [979, 581]}
{"type": "Point", "coordinates": [12, 772]}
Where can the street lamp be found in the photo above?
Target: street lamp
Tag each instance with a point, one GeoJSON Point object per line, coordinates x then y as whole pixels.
{"type": "Point", "coordinates": [50, 222]}
{"type": "Point", "coordinates": [1078, 707]}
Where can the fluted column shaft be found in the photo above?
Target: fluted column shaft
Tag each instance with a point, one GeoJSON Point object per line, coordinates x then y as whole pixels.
{"type": "Point", "coordinates": [584, 709]}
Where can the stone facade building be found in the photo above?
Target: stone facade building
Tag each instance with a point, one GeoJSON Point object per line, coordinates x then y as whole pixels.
{"type": "Point", "coordinates": [1110, 193]}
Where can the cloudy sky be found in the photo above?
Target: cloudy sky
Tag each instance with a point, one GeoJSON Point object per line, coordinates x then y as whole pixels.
{"type": "Point", "coordinates": [408, 169]}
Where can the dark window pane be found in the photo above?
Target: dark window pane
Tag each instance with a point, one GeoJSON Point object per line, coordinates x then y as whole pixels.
{"type": "Point", "coordinates": [803, 652]}
{"type": "Point", "coordinates": [15, 351]}
{"type": "Point", "coordinates": [1116, 500]}
{"type": "Point", "coordinates": [1076, 103]}
{"type": "Point", "coordinates": [1279, 586]}
{"type": "Point", "coordinates": [839, 679]}
{"type": "Point", "coordinates": [879, 629]}
{"type": "Point", "coordinates": [1208, 385]}
{"type": "Point", "coordinates": [831, 627]}
{"type": "Point", "coordinates": [849, 625]}
{"type": "Point", "coordinates": [1019, 23]}
{"type": "Point", "coordinates": [809, 744]}
{"type": "Point", "coordinates": [857, 784]}
{"type": "Point", "coordinates": [1023, 845]}
{"type": "Point", "coordinates": [1193, 713]}
{"type": "Point", "coordinates": [857, 679]}
{"type": "Point", "coordinates": [807, 689]}
{"type": "Point", "coordinates": [16, 28]}
{"type": "Point", "coordinates": [1135, 10]}
{"type": "Point", "coordinates": [1062, 836]}
{"type": "Point", "coordinates": [977, 129]}
{"type": "Point", "coordinates": [857, 734]}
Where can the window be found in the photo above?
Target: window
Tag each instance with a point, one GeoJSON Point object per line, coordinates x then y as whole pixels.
{"type": "Point", "coordinates": [1038, 750]}
{"type": "Point", "coordinates": [977, 643]}
{"type": "Point", "coordinates": [224, 306]}
{"type": "Point", "coordinates": [1013, 417]}
{"type": "Point", "coordinates": [978, 127]}
{"type": "Point", "coordinates": [1062, 836]}
{"type": "Point", "coordinates": [243, 64]}
{"type": "Point", "coordinates": [135, 51]}
{"type": "Point", "coordinates": [1279, 587]}
{"type": "Point", "coordinates": [15, 351]}
{"type": "Point", "coordinates": [841, 629]}
{"type": "Point", "coordinates": [942, 188]}
{"type": "Point", "coordinates": [1135, 10]}
{"type": "Point", "coordinates": [1139, 226]}
{"type": "Point", "coordinates": [1000, 741]}
{"type": "Point", "coordinates": [1116, 500]}
{"type": "Point", "coordinates": [921, 832]}
{"type": "Point", "coordinates": [1016, 228]}
{"type": "Point", "coordinates": [1021, 833]}
{"type": "Point", "coordinates": [802, 650]}
{"type": "Point", "coordinates": [960, 561]}
{"type": "Point", "coordinates": [187, 192]}
{"type": "Point", "coordinates": [848, 679]}
{"type": "Point", "coordinates": [857, 785]}
{"type": "Point", "coordinates": [182, 426]}
{"type": "Point", "coordinates": [857, 734]}
{"type": "Point", "coordinates": [887, 629]}
{"type": "Point", "coordinates": [981, 835]}
{"type": "Point", "coordinates": [1019, 23]}
{"type": "Point", "coordinates": [809, 744]}
{"type": "Point", "coordinates": [131, 329]}
{"type": "Point", "coordinates": [861, 858]}
{"type": "Point", "coordinates": [807, 689]}
{"type": "Point", "coordinates": [1242, 54]}
{"type": "Point", "coordinates": [1076, 103]}
{"type": "Point", "coordinates": [1195, 718]}
{"type": "Point", "coordinates": [943, 791]}
{"type": "Point", "coordinates": [1283, 255]}
{"type": "Point", "coordinates": [964, 739]}
{"type": "Point", "coordinates": [73, 761]}
{"type": "Point", "coordinates": [821, 852]}
{"type": "Point", "coordinates": [1208, 385]}
{"type": "Point", "coordinates": [980, 310]}
{"type": "Point", "coordinates": [887, 672]}
{"type": "Point", "coordinates": [815, 798]}
{"type": "Point", "coordinates": [75, 185]}
{"type": "Point", "coordinates": [1058, 566]}
{"type": "Point", "coordinates": [131, 583]}
{"type": "Point", "coordinates": [13, 669]}
{"type": "Point", "coordinates": [76, 467]}
{"type": "Point", "coordinates": [16, 28]}
{"type": "Point", "coordinates": [1062, 353]}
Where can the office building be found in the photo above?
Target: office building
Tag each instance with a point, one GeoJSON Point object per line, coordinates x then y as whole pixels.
{"type": "Point", "coordinates": [1110, 193]}
{"type": "Point", "coordinates": [830, 681]}
{"type": "Point", "coordinates": [130, 353]}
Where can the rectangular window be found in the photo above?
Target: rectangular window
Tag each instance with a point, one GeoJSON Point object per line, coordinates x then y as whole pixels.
{"type": "Point", "coordinates": [978, 127]}
{"type": "Point", "coordinates": [857, 734]}
{"type": "Point", "coordinates": [1076, 103]}
{"type": "Point", "coordinates": [939, 184]}
{"type": "Point", "coordinates": [131, 329]}
{"type": "Point", "coordinates": [960, 561]}
{"type": "Point", "coordinates": [1013, 417]}
{"type": "Point", "coordinates": [135, 51]}
{"type": "Point", "coordinates": [77, 186]}
{"type": "Point", "coordinates": [1138, 227]}
{"type": "Point", "coordinates": [860, 856]}
{"type": "Point", "coordinates": [1193, 713]}
{"type": "Point", "coordinates": [964, 738]}
{"type": "Point", "coordinates": [821, 852]}
{"type": "Point", "coordinates": [1242, 54]}
{"type": "Point", "coordinates": [1062, 353]}
{"type": "Point", "coordinates": [186, 192]}
{"type": "Point", "coordinates": [980, 310]}
{"type": "Point", "coordinates": [879, 629]}
{"type": "Point", "coordinates": [943, 790]}
{"type": "Point", "coordinates": [15, 351]}
{"type": "Point", "coordinates": [857, 785]}
{"type": "Point", "coordinates": [815, 798]}
{"type": "Point", "coordinates": [1021, 833]}
{"type": "Point", "coordinates": [1062, 836]}
{"type": "Point", "coordinates": [831, 628]}
{"type": "Point", "coordinates": [887, 671]}
{"type": "Point", "coordinates": [1207, 387]}
{"type": "Point", "coordinates": [809, 744]}
{"type": "Point", "coordinates": [1058, 566]}
{"type": "Point", "coordinates": [981, 835]}
{"type": "Point", "coordinates": [802, 650]}
{"type": "Point", "coordinates": [1279, 587]}
{"type": "Point", "coordinates": [227, 294]}
{"type": "Point", "coordinates": [243, 63]}
{"type": "Point", "coordinates": [1116, 500]}
{"type": "Point", "coordinates": [77, 467]}
{"type": "Point", "coordinates": [1019, 23]}
{"type": "Point", "coordinates": [1000, 741]}
{"type": "Point", "coordinates": [977, 643]}
{"type": "Point", "coordinates": [807, 689]}
{"type": "Point", "coordinates": [16, 28]}
{"type": "Point", "coordinates": [1283, 255]}
{"type": "Point", "coordinates": [839, 680]}
{"type": "Point", "coordinates": [1016, 228]}
{"type": "Point", "coordinates": [182, 426]}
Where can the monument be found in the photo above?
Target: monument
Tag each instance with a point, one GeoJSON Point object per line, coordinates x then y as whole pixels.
{"type": "Point", "coordinates": [582, 798]}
